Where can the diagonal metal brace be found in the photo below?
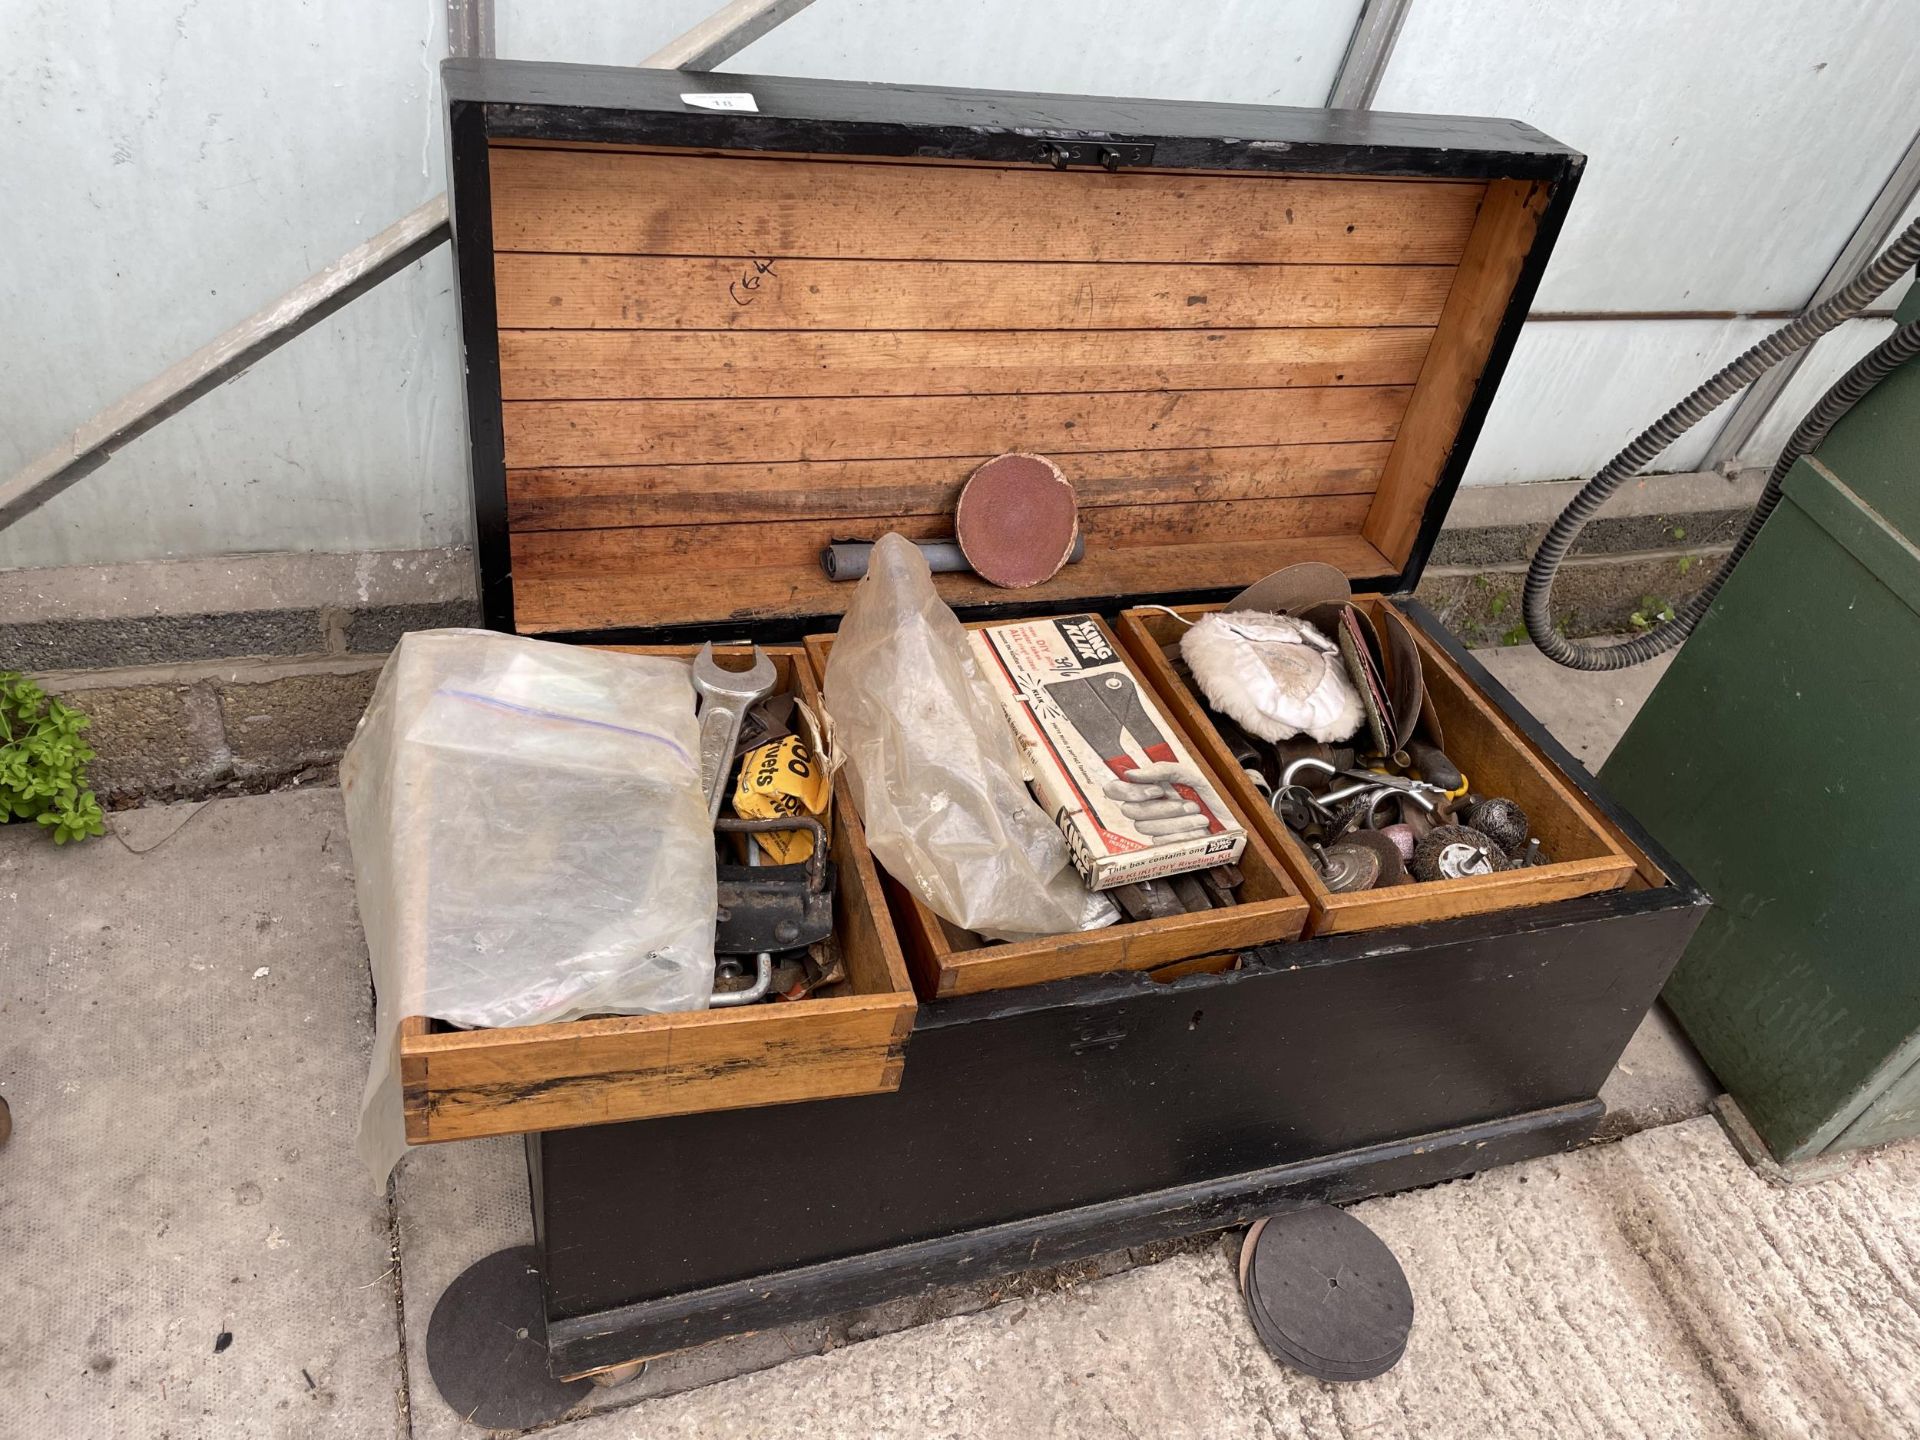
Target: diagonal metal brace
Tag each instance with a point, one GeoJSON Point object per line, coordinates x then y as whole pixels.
{"type": "Point", "coordinates": [217, 362]}
{"type": "Point", "coordinates": [723, 34]}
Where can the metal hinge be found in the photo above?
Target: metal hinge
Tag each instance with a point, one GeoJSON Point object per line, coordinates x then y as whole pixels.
{"type": "Point", "coordinates": [1108, 154]}
{"type": "Point", "coordinates": [1088, 1041]}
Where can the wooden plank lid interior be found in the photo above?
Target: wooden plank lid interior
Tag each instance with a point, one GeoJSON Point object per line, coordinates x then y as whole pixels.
{"type": "Point", "coordinates": [700, 353]}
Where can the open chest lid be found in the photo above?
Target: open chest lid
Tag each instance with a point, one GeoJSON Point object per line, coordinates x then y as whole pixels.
{"type": "Point", "coordinates": [703, 343]}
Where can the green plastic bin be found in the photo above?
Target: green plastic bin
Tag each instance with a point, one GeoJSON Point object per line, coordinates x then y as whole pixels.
{"type": "Point", "coordinates": [1779, 760]}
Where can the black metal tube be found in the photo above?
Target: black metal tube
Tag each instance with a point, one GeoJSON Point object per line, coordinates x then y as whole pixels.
{"type": "Point", "coordinates": [848, 559]}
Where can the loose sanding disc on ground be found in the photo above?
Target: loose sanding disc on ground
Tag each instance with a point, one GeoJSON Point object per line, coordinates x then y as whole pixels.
{"type": "Point", "coordinates": [487, 1346]}
{"type": "Point", "coordinates": [1326, 1295]}
{"type": "Point", "coordinates": [1246, 1249]}
{"type": "Point", "coordinates": [1017, 520]}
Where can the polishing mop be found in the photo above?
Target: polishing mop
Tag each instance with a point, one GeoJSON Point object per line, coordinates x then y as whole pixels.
{"type": "Point", "coordinates": [1275, 676]}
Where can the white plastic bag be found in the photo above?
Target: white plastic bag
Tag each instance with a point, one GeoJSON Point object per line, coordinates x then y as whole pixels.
{"type": "Point", "coordinates": [934, 768]}
{"type": "Point", "coordinates": [530, 843]}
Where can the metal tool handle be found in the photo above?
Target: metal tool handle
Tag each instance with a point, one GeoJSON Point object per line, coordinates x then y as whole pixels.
{"type": "Point", "coordinates": [762, 983]}
{"type": "Point", "coordinates": [850, 559]}
{"type": "Point", "coordinates": [719, 728]}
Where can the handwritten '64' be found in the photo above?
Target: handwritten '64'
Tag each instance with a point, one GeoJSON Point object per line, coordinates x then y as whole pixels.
{"type": "Point", "coordinates": [741, 289]}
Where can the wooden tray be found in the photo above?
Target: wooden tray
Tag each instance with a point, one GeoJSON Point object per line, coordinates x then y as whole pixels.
{"type": "Point", "coordinates": [947, 960]}
{"type": "Point", "coordinates": [458, 1084]}
{"type": "Point", "coordinates": [1487, 747]}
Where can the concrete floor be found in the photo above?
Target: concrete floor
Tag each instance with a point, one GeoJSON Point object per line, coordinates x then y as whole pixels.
{"type": "Point", "coordinates": [189, 1247]}
{"type": "Point", "coordinates": [1651, 1288]}
{"type": "Point", "coordinates": [1586, 713]}
{"type": "Point", "coordinates": [184, 1024]}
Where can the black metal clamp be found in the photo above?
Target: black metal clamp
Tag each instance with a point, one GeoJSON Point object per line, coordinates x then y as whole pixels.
{"type": "Point", "coordinates": [774, 907]}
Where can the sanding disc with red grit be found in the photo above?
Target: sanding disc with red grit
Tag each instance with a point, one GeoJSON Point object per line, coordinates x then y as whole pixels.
{"type": "Point", "coordinates": [1017, 520]}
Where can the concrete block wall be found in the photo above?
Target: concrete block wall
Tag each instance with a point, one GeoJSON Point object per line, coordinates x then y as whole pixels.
{"type": "Point", "coordinates": [183, 732]}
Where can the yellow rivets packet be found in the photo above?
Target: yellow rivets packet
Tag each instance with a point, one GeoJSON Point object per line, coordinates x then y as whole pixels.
{"type": "Point", "coordinates": [778, 779]}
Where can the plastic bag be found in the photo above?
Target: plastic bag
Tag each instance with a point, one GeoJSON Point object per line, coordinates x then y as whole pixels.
{"type": "Point", "coordinates": [934, 768]}
{"type": "Point", "coordinates": [530, 844]}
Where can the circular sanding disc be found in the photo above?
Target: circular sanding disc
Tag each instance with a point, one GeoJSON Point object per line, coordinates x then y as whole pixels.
{"type": "Point", "coordinates": [487, 1346]}
{"type": "Point", "coordinates": [1017, 520]}
{"type": "Point", "coordinates": [1326, 1295]}
{"type": "Point", "coordinates": [1295, 590]}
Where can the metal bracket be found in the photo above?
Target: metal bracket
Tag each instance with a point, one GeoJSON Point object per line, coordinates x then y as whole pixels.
{"type": "Point", "coordinates": [765, 908]}
{"type": "Point", "coordinates": [1108, 154]}
{"type": "Point", "coordinates": [1089, 1041]}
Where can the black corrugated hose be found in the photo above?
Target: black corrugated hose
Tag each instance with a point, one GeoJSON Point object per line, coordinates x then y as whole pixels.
{"type": "Point", "coordinates": [1903, 344]}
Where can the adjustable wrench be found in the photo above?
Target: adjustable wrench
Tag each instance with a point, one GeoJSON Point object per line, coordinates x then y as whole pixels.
{"type": "Point", "coordinates": [725, 698]}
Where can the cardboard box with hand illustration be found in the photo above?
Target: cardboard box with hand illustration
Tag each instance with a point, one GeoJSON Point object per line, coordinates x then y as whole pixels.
{"type": "Point", "coordinates": [1103, 759]}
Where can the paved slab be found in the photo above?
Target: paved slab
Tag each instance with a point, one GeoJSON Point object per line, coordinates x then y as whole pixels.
{"type": "Point", "coordinates": [1587, 713]}
{"type": "Point", "coordinates": [1804, 1303]}
{"type": "Point", "coordinates": [182, 1033]}
{"type": "Point", "coordinates": [455, 1204]}
{"type": "Point", "coordinates": [1660, 1080]}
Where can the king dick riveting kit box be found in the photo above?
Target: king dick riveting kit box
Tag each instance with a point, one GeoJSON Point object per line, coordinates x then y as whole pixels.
{"type": "Point", "coordinates": [1103, 759]}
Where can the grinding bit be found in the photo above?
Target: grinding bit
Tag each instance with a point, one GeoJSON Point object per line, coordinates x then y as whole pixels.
{"type": "Point", "coordinates": [1453, 851]}
{"type": "Point", "coordinates": [1393, 870]}
{"type": "Point", "coordinates": [1501, 821]}
{"type": "Point", "coordinates": [1403, 840]}
{"type": "Point", "coordinates": [1534, 856]}
{"type": "Point", "coordinates": [1346, 867]}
